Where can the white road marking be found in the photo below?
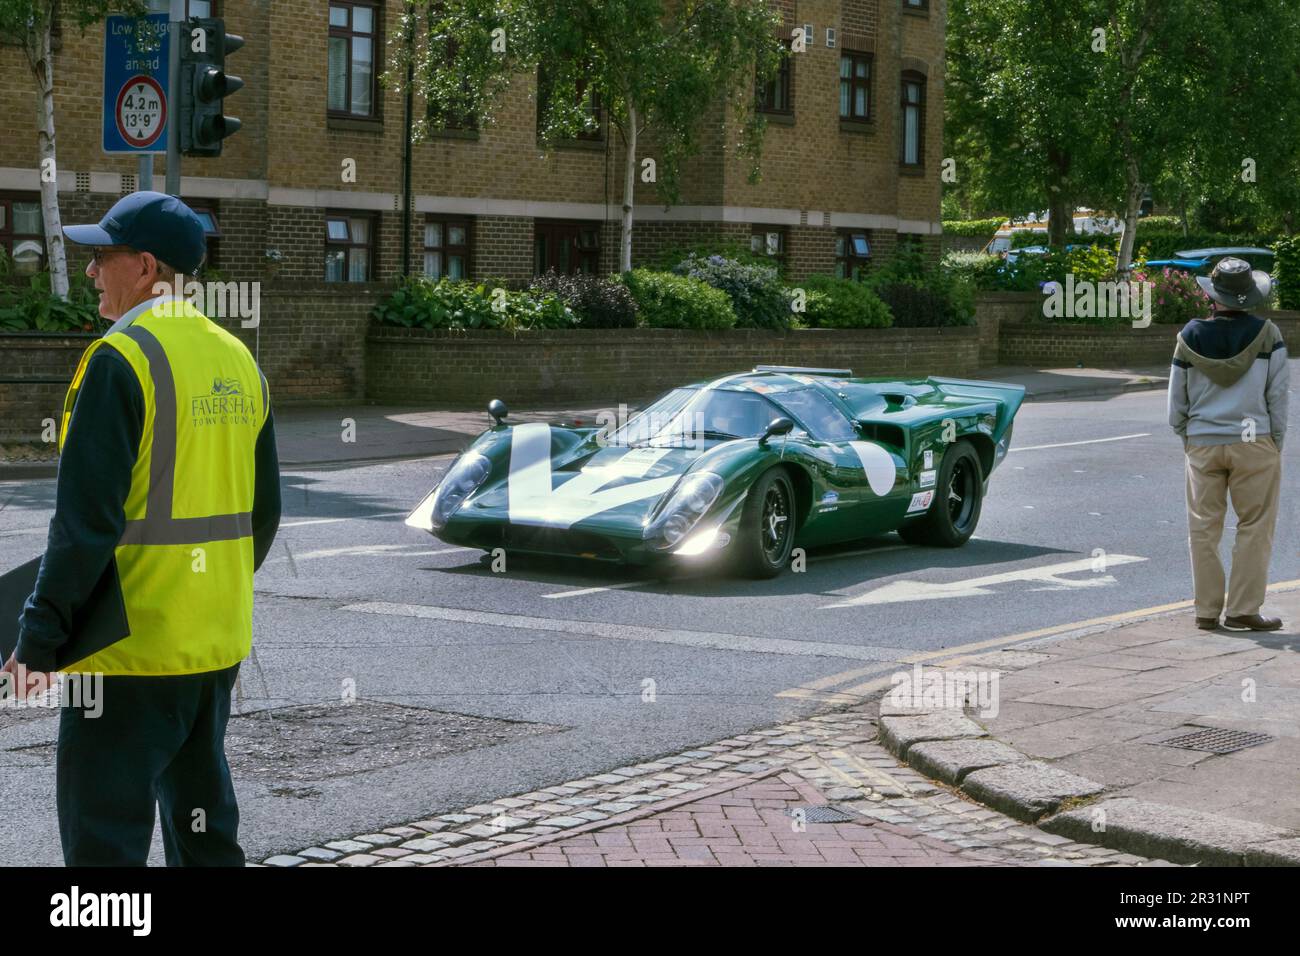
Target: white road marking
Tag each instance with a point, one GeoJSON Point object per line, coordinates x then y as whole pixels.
{"type": "Point", "coordinates": [25, 531]}
{"type": "Point", "coordinates": [608, 587]}
{"type": "Point", "coordinates": [633, 632]}
{"type": "Point", "coordinates": [300, 524]}
{"type": "Point", "coordinates": [580, 592]}
{"type": "Point", "coordinates": [1089, 441]}
{"type": "Point", "coordinates": [370, 551]}
{"type": "Point", "coordinates": [898, 591]}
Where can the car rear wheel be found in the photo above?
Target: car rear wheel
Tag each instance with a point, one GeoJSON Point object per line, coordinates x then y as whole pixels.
{"type": "Point", "coordinates": [959, 493]}
{"type": "Point", "coordinates": [767, 526]}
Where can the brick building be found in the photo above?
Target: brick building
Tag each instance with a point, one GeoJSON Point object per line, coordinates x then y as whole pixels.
{"type": "Point", "coordinates": [850, 164]}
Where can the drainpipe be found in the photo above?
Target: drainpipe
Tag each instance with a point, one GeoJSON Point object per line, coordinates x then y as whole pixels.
{"type": "Point", "coordinates": [406, 156]}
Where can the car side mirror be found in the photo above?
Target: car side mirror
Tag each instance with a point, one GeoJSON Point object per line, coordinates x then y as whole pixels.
{"type": "Point", "coordinates": [777, 426]}
{"type": "Point", "coordinates": [497, 409]}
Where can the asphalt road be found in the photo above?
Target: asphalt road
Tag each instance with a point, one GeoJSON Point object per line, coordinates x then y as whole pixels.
{"type": "Point", "coordinates": [595, 667]}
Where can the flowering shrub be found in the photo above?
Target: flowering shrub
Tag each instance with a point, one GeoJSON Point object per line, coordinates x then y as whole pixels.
{"type": "Point", "coordinates": [1176, 298]}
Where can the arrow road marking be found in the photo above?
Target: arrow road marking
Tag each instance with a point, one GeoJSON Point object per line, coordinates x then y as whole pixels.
{"type": "Point", "coordinates": [898, 591]}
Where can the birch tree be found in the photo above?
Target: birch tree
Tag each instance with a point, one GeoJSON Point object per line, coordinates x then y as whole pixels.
{"type": "Point", "coordinates": [30, 23]}
{"type": "Point", "coordinates": [653, 67]}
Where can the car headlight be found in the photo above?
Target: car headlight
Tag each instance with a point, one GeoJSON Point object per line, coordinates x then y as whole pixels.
{"type": "Point", "coordinates": [463, 478]}
{"type": "Point", "coordinates": [686, 505]}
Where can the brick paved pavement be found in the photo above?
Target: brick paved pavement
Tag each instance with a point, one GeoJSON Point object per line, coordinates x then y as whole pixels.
{"type": "Point", "coordinates": [725, 803]}
{"type": "Point", "coordinates": [749, 825]}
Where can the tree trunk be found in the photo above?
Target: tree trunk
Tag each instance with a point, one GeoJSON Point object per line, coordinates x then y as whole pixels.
{"type": "Point", "coordinates": [1060, 217]}
{"type": "Point", "coordinates": [43, 68]}
{"type": "Point", "coordinates": [1060, 205]}
{"type": "Point", "coordinates": [1132, 203]}
{"type": "Point", "coordinates": [629, 192]}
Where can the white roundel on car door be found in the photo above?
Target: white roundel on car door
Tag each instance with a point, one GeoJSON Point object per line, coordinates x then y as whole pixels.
{"type": "Point", "coordinates": [878, 464]}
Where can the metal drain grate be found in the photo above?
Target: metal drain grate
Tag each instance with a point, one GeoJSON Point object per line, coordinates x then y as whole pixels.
{"type": "Point", "coordinates": [1216, 741]}
{"type": "Point", "coordinates": [823, 813]}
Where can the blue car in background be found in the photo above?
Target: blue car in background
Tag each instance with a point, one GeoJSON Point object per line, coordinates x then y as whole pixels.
{"type": "Point", "coordinates": [1203, 261]}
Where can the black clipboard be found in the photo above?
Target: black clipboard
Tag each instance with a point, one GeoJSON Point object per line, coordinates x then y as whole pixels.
{"type": "Point", "coordinates": [97, 624]}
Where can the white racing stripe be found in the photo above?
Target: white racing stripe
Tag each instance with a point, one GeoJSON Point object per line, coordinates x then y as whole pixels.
{"type": "Point", "coordinates": [633, 632]}
{"type": "Point", "coordinates": [1089, 441]}
{"type": "Point", "coordinates": [534, 500]}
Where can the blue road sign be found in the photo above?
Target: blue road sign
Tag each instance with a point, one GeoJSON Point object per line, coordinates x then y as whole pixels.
{"type": "Point", "coordinates": [135, 84]}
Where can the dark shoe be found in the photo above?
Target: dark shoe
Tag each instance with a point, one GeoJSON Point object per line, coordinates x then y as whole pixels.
{"type": "Point", "coordinates": [1253, 622]}
{"type": "Point", "coordinates": [1207, 623]}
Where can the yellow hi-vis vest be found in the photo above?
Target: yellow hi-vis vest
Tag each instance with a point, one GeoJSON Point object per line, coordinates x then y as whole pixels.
{"type": "Point", "coordinates": [185, 559]}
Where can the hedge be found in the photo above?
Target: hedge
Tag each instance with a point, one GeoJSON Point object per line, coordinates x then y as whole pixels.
{"type": "Point", "coordinates": [1287, 272]}
{"type": "Point", "coordinates": [842, 304]}
{"type": "Point", "coordinates": [973, 228]}
{"type": "Point", "coordinates": [668, 301]}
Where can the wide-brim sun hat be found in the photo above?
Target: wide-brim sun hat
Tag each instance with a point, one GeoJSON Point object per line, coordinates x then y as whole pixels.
{"type": "Point", "coordinates": [1234, 285]}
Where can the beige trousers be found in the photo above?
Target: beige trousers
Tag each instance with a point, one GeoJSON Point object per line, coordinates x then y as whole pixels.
{"type": "Point", "coordinates": [1250, 473]}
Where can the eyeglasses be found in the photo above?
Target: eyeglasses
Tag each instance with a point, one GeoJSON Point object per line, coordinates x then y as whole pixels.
{"type": "Point", "coordinates": [99, 253]}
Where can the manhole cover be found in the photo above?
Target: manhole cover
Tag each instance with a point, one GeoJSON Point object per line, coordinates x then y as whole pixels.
{"type": "Point", "coordinates": [822, 813]}
{"type": "Point", "coordinates": [1217, 741]}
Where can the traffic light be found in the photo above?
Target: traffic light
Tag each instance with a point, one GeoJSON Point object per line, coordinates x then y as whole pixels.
{"type": "Point", "coordinates": [205, 85]}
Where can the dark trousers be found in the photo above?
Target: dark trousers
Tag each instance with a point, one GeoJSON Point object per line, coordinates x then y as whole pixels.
{"type": "Point", "coordinates": [156, 740]}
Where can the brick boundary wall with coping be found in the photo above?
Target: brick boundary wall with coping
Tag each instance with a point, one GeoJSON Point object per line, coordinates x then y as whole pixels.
{"type": "Point", "coordinates": [318, 345]}
{"type": "Point", "coordinates": [558, 367]}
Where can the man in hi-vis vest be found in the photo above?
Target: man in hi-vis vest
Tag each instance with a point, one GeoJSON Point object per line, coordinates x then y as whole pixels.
{"type": "Point", "coordinates": [168, 467]}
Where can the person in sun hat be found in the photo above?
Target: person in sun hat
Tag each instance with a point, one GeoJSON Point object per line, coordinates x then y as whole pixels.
{"type": "Point", "coordinates": [169, 484]}
{"type": "Point", "coordinates": [1228, 402]}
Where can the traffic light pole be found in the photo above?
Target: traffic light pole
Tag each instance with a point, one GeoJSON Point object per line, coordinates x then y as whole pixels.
{"type": "Point", "coordinates": [176, 17]}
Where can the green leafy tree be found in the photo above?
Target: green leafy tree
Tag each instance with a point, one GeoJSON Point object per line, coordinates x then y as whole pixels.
{"type": "Point", "coordinates": [655, 66]}
{"type": "Point", "coordinates": [1018, 83]}
{"type": "Point", "coordinates": [1099, 101]}
{"type": "Point", "coordinates": [31, 24]}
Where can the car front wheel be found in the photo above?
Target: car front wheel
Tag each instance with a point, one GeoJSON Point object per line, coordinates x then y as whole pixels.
{"type": "Point", "coordinates": [767, 526]}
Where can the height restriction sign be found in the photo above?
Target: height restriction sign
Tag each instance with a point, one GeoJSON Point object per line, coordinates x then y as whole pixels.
{"type": "Point", "coordinates": [135, 84]}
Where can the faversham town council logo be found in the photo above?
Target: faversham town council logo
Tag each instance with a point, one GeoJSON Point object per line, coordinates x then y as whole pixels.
{"type": "Point", "coordinates": [224, 404]}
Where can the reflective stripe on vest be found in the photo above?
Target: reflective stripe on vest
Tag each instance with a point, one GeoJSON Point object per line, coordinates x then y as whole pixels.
{"type": "Point", "coordinates": [158, 526]}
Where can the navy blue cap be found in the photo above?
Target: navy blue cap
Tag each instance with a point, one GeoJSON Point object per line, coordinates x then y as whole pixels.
{"type": "Point", "coordinates": [150, 222]}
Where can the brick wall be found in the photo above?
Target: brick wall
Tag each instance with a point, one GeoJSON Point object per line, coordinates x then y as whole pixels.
{"type": "Point", "coordinates": [35, 369]}
{"type": "Point", "coordinates": [503, 247]}
{"type": "Point", "coordinates": [311, 340]}
{"type": "Point", "coordinates": [470, 368]}
{"type": "Point", "coordinates": [1059, 346]}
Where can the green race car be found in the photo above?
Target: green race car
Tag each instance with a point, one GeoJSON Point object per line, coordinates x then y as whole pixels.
{"type": "Point", "coordinates": [742, 469]}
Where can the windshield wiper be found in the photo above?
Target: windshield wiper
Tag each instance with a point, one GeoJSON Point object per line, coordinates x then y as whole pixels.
{"type": "Point", "coordinates": [703, 433]}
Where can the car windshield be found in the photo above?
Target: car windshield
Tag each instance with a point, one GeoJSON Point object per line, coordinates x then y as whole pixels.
{"type": "Point", "coordinates": [817, 414]}
{"type": "Point", "coordinates": [709, 413]}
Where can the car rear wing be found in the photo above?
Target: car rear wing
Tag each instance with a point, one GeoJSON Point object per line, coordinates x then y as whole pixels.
{"type": "Point", "coordinates": [1009, 397]}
